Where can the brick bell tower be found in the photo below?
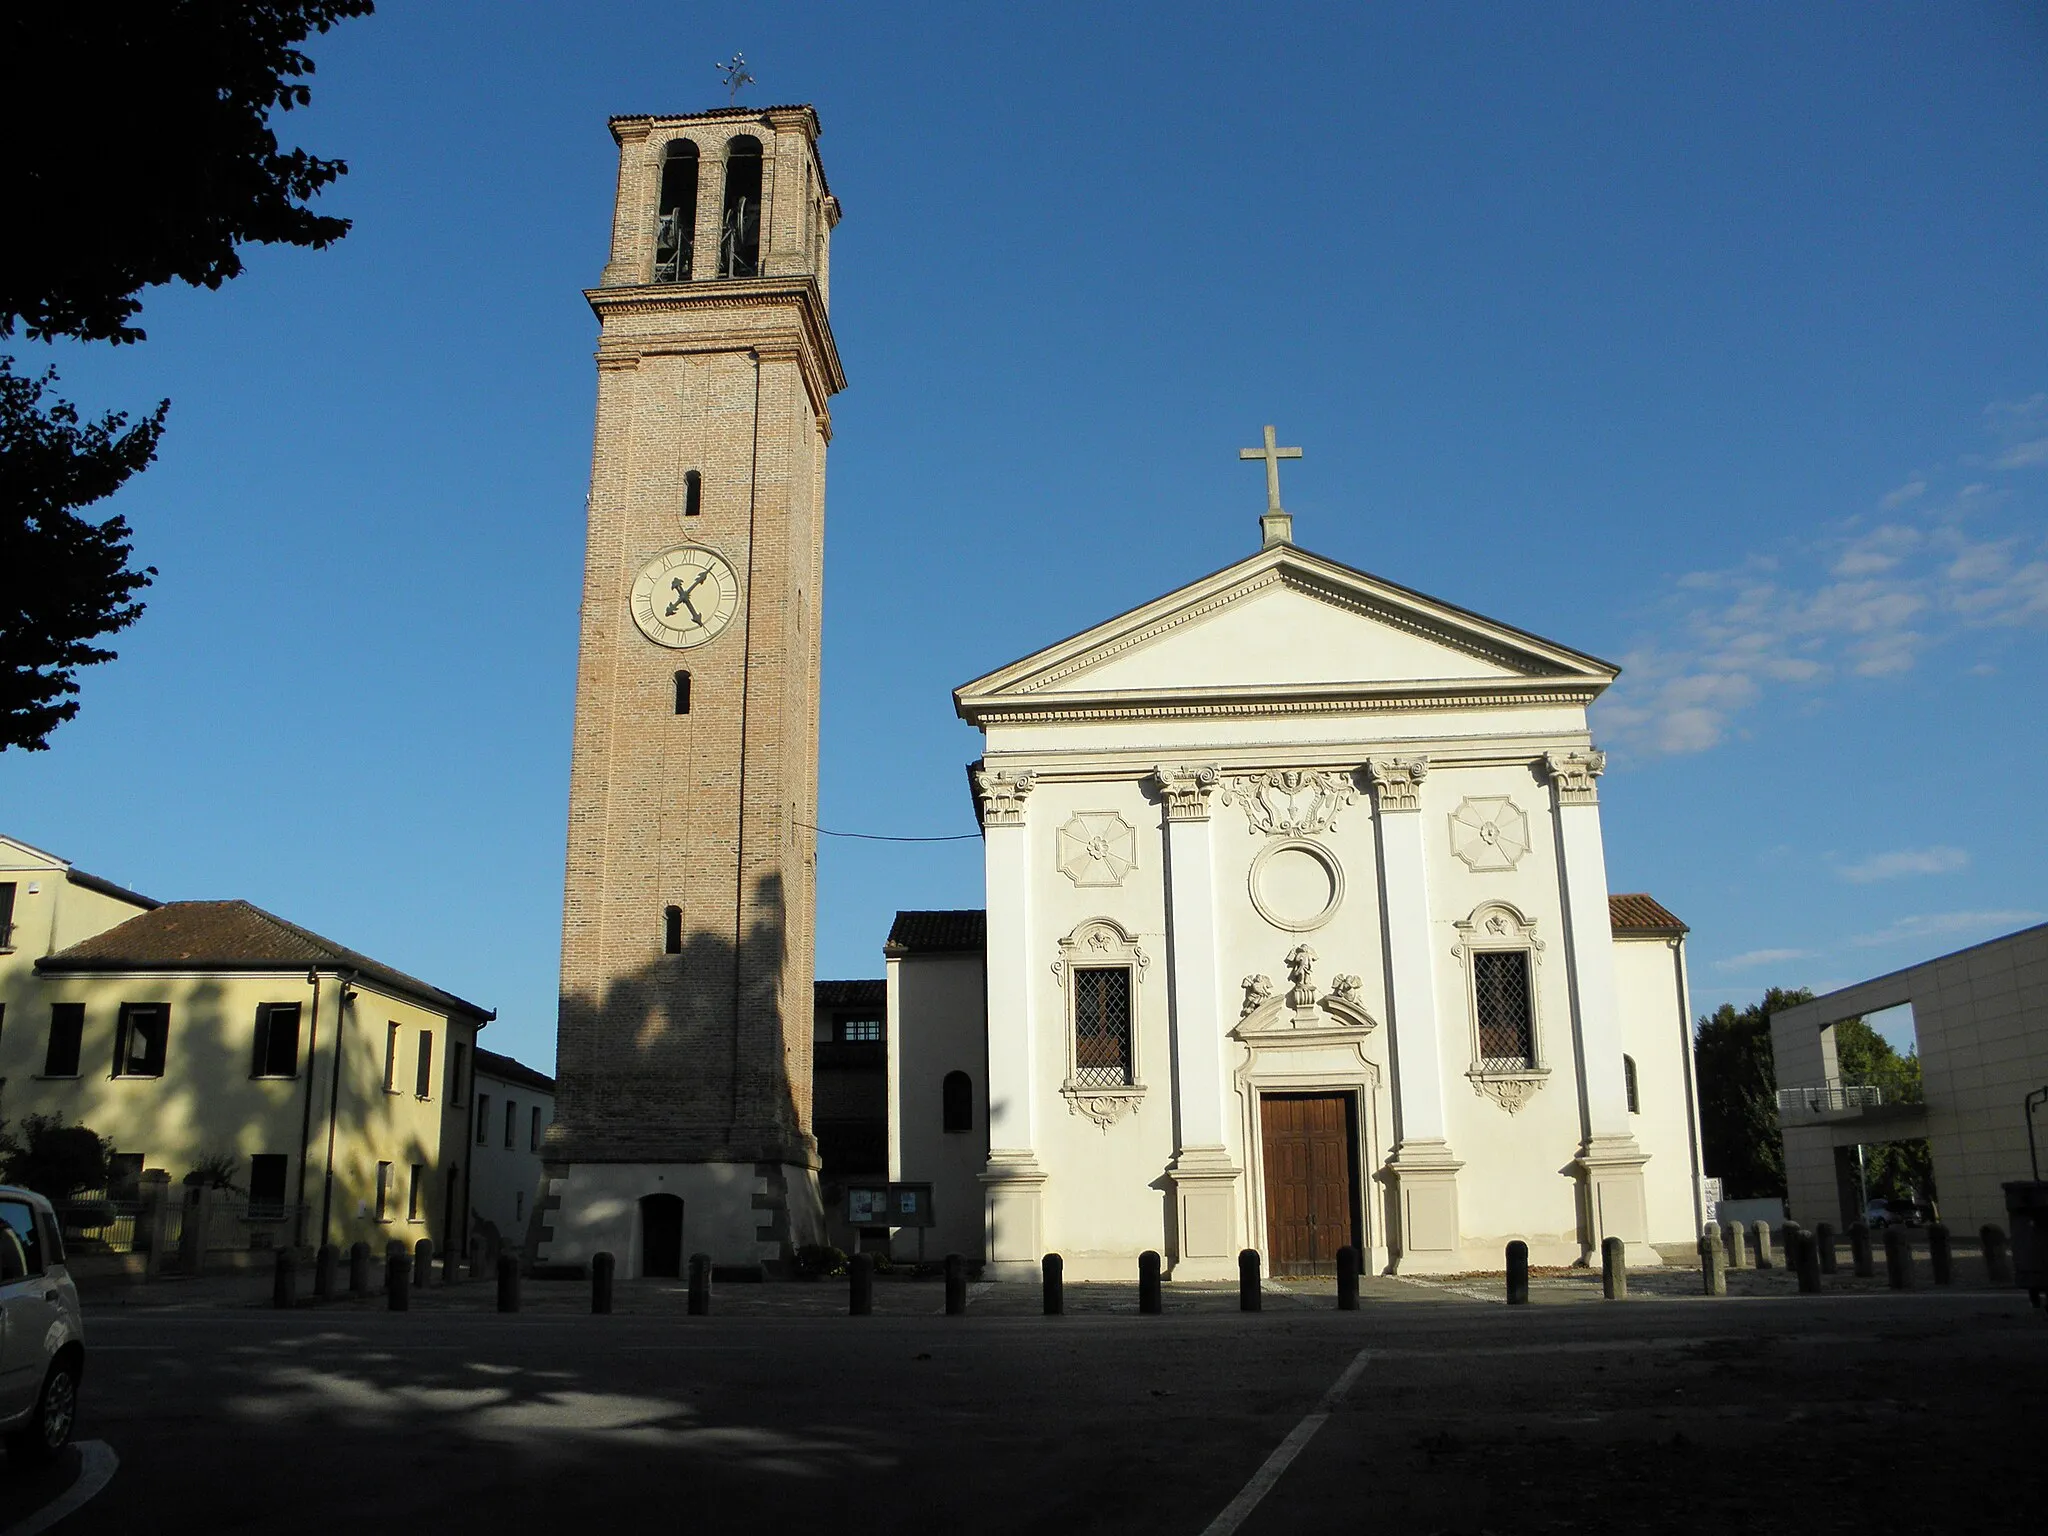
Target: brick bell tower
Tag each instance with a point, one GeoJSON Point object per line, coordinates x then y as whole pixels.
{"type": "Point", "coordinates": [684, 1044]}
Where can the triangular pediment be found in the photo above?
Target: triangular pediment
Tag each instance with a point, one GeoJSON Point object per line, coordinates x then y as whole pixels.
{"type": "Point", "coordinates": [1285, 626]}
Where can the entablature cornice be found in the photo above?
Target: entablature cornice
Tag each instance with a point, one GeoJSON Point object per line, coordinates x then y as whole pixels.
{"type": "Point", "coordinates": [1296, 699]}
{"type": "Point", "coordinates": [705, 303]}
{"type": "Point", "coordinates": [1137, 761]}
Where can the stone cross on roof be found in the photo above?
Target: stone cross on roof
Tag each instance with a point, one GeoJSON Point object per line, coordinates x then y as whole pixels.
{"type": "Point", "coordinates": [1276, 526]}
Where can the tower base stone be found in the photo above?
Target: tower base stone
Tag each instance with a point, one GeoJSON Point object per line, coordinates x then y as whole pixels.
{"type": "Point", "coordinates": [742, 1214]}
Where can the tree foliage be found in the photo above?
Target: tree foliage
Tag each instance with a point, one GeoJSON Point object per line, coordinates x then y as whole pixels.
{"type": "Point", "coordinates": [54, 1159]}
{"type": "Point", "coordinates": [1738, 1087]}
{"type": "Point", "coordinates": [64, 580]}
{"type": "Point", "coordinates": [1896, 1170]}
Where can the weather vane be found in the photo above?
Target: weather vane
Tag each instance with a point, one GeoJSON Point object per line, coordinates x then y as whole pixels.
{"type": "Point", "coordinates": [735, 77]}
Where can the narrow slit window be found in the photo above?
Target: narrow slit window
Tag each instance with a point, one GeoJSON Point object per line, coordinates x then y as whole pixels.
{"type": "Point", "coordinates": [533, 1131]}
{"type": "Point", "coordinates": [1628, 1082]}
{"type": "Point", "coordinates": [383, 1191]}
{"type": "Point", "coordinates": [483, 1118]}
{"type": "Point", "coordinates": [693, 493]}
{"type": "Point", "coordinates": [415, 1191]}
{"type": "Point", "coordinates": [672, 931]}
{"type": "Point", "coordinates": [675, 235]}
{"type": "Point", "coordinates": [391, 1057]}
{"type": "Point", "coordinates": [739, 238]}
{"type": "Point", "coordinates": [682, 696]}
{"type": "Point", "coordinates": [511, 1123]}
{"type": "Point", "coordinates": [423, 1080]}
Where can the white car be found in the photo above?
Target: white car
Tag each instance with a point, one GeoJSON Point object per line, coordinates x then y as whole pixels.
{"type": "Point", "coordinates": [42, 1336]}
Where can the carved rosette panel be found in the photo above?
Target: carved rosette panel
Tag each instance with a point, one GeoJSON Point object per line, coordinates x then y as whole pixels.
{"type": "Point", "coordinates": [1292, 802]}
{"type": "Point", "coordinates": [1002, 795]}
{"type": "Point", "coordinates": [1097, 848]}
{"type": "Point", "coordinates": [1186, 789]}
{"type": "Point", "coordinates": [1573, 774]}
{"type": "Point", "coordinates": [1397, 781]}
{"type": "Point", "coordinates": [1489, 832]}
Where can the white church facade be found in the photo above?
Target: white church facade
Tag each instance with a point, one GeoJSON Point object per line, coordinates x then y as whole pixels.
{"type": "Point", "coordinates": [1298, 935]}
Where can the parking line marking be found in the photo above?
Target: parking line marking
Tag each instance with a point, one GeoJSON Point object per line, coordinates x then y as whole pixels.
{"type": "Point", "coordinates": [96, 1465]}
{"type": "Point", "coordinates": [1247, 1500]}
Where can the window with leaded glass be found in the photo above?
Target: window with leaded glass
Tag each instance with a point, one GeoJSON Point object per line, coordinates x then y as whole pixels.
{"type": "Point", "coordinates": [1102, 1026]}
{"type": "Point", "coordinates": [1500, 987]}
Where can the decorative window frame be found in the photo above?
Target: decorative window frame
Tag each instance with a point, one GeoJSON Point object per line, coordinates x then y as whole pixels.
{"type": "Point", "coordinates": [1101, 943]}
{"type": "Point", "coordinates": [1493, 927]}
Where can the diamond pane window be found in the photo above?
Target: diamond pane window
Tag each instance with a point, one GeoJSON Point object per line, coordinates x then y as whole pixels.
{"type": "Point", "coordinates": [1500, 985]}
{"type": "Point", "coordinates": [1102, 1026]}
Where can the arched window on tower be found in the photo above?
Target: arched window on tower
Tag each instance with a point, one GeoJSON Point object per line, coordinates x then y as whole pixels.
{"type": "Point", "coordinates": [1628, 1081]}
{"type": "Point", "coordinates": [956, 1101]}
{"type": "Point", "coordinates": [739, 236]}
{"type": "Point", "coordinates": [682, 693]}
{"type": "Point", "coordinates": [672, 931]}
{"type": "Point", "coordinates": [693, 493]}
{"type": "Point", "coordinates": [675, 236]}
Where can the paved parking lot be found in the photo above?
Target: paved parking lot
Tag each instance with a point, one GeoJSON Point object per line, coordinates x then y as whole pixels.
{"type": "Point", "coordinates": [1457, 1415]}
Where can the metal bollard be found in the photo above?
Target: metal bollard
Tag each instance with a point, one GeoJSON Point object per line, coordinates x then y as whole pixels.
{"type": "Point", "coordinates": [860, 1285]}
{"type": "Point", "coordinates": [1052, 1271]}
{"type": "Point", "coordinates": [284, 1285]}
{"type": "Point", "coordinates": [1940, 1255]}
{"type": "Point", "coordinates": [396, 1249]}
{"type": "Point", "coordinates": [1737, 1243]}
{"type": "Point", "coordinates": [359, 1269]}
{"type": "Point", "coordinates": [1347, 1279]}
{"type": "Point", "coordinates": [1614, 1269]}
{"type": "Point", "coordinates": [1805, 1258]}
{"type": "Point", "coordinates": [1824, 1240]}
{"type": "Point", "coordinates": [1713, 1262]}
{"type": "Point", "coordinates": [1149, 1301]}
{"type": "Point", "coordinates": [451, 1270]}
{"type": "Point", "coordinates": [1997, 1255]}
{"type": "Point", "coordinates": [1760, 1242]}
{"type": "Point", "coordinates": [956, 1285]}
{"type": "Point", "coordinates": [1518, 1273]}
{"type": "Point", "coordinates": [700, 1285]}
{"type": "Point", "coordinates": [423, 1263]}
{"type": "Point", "coordinates": [1249, 1297]}
{"type": "Point", "coordinates": [602, 1266]}
{"type": "Point", "coordinates": [398, 1282]}
{"type": "Point", "coordinates": [508, 1282]}
{"type": "Point", "coordinates": [324, 1264]}
{"type": "Point", "coordinates": [1898, 1258]}
{"type": "Point", "coordinates": [1859, 1251]}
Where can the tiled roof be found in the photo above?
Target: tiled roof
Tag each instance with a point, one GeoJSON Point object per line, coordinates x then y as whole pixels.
{"type": "Point", "coordinates": [1642, 914]}
{"type": "Point", "coordinates": [731, 111]}
{"type": "Point", "coordinates": [233, 936]}
{"type": "Point", "coordinates": [851, 994]}
{"type": "Point", "coordinates": [506, 1070]}
{"type": "Point", "coordinates": [938, 933]}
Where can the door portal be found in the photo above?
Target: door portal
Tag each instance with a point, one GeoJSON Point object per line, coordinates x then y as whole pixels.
{"type": "Point", "coordinates": [1311, 1151]}
{"type": "Point", "coordinates": [661, 1236]}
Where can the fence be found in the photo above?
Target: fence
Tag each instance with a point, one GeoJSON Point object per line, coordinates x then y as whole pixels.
{"type": "Point", "coordinates": [1822, 1098]}
{"type": "Point", "coordinates": [93, 1222]}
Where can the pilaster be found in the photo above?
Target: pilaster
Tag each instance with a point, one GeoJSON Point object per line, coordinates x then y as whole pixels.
{"type": "Point", "coordinates": [1013, 1181]}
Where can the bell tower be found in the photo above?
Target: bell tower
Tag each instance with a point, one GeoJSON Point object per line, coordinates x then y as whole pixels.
{"type": "Point", "coordinates": [684, 1037]}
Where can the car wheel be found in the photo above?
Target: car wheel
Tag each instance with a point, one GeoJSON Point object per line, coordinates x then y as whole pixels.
{"type": "Point", "coordinates": [43, 1438]}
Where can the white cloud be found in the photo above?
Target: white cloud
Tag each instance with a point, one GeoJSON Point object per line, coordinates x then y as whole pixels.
{"type": "Point", "coordinates": [2023, 455]}
{"type": "Point", "coordinates": [1935, 925]}
{"type": "Point", "coordinates": [1912, 490]}
{"type": "Point", "coordinates": [1751, 959]}
{"type": "Point", "coordinates": [1905, 861]}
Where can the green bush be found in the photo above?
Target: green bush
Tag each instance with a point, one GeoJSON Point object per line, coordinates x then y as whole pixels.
{"type": "Point", "coordinates": [815, 1261]}
{"type": "Point", "coordinates": [53, 1158]}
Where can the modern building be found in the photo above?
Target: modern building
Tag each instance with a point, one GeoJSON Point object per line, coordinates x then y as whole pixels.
{"type": "Point", "coordinates": [850, 1095]}
{"type": "Point", "coordinates": [515, 1105]}
{"type": "Point", "coordinates": [331, 1088]}
{"type": "Point", "coordinates": [1980, 1017]}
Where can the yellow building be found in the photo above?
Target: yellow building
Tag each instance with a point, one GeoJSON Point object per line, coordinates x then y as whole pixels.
{"type": "Point", "coordinates": [195, 1030]}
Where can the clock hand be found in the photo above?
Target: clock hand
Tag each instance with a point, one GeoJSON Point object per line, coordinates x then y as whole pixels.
{"type": "Point", "coordinates": [683, 600]}
{"type": "Point", "coordinates": [702, 577]}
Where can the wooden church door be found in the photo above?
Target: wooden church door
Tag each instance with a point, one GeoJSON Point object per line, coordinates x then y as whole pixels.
{"type": "Point", "coordinates": [1311, 1148]}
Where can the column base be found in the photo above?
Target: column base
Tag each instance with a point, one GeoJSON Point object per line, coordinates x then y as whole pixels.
{"type": "Point", "coordinates": [1013, 1207]}
{"type": "Point", "coordinates": [1205, 1206]}
{"type": "Point", "coordinates": [1612, 1202]}
{"type": "Point", "coordinates": [1426, 1235]}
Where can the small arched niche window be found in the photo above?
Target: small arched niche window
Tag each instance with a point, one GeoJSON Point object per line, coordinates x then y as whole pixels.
{"type": "Point", "coordinates": [672, 931]}
{"type": "Point", "coordinates": [682, 694]}
{"type": "Point", "coordinates": [1628, 1082]}
{"type": "Point", "coordinates": [693, 493]}
{"type": "Point", "coordinates": [739, 236]}
{"type": "Point", "coordinates": [675, 234]}
{"type": "Point", "coordinates": [956, 1101]}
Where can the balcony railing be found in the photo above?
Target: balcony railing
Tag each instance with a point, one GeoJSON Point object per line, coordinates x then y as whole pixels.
{"type": "Point", "coordinates": [1825, 1098]}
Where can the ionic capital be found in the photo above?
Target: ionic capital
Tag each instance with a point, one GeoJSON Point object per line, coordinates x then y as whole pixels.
{"type": "Point", "coordinates": [1186, 788]}
{"type": "Point", "coordinates": [1001, 794]}
{"type": "Point", "coordinates": [1573, 774]}
{"type": "Point", "coordinates": [1397, 781]}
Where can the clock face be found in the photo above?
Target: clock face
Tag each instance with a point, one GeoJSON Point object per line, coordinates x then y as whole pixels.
{"type": "Point", "coordinates": [685, 597]}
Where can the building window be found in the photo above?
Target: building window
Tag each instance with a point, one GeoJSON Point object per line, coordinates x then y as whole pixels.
{"type": "Point", "coordinates": [859, 1031]}
{"type": "Point", "coordinates": [415, 1191]}
{"type": "Point", "coordinates": [1500, 992]}
{"type": "Point", "coordinates": [672, 931]}
{"type": "Point", "coordinates": [124, 1176]}
{"type": "Point", "coordinates": [956, 1101]}
{"type": "Point", "coordinates": [7, 914]}
{"type": "Point", "coordinates": [682, 707]}
{"type": "Point", "coordinates": [391, 1057]}
{"type": "Point", "coordinates": [266, 1186]}
{"type": "Point", "coordinates": [276, 1052]}
{"type": "Point", "coordinates": [519, 1205]}
{"type": "Point", "coordinates": [140, 1039]}
{"type": "Point", "coordinates": [675, 236]}
{"type": "Point", "coordinates": [1102, 1026]}
{"type": "Point", "coordinates": [383, 1191]}
{"type": "Point", "coordinates": [1628, 1083]}
{"type": "Point", "coordinates": [533, 1131]}
{"type": "Point", "coordinates": [67, 1030]}
{"type": "Point", "coordinates": [458, 1065]}
{"type": "Point", "coordinates": [423, 1078]}
{"type": "Point", "coordinates": [483, 1119]}
{"type": "Point", "coordinates": [693, 493]}
{"type": "Point", "coordinates": [511, 1122]}
{"type": "Point", "coordinates": [739, 238]}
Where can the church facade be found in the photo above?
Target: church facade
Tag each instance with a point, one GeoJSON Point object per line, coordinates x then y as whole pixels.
{"type": "Point", "coordinates": [1298, 935]}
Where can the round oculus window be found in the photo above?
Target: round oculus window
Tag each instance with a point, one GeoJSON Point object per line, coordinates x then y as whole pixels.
{"type": "Point", "coordinates": [1296, 885]}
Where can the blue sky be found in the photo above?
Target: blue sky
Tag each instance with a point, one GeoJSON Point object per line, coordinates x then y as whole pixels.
{"type": "Point", "coordinates": [1713, 341]}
